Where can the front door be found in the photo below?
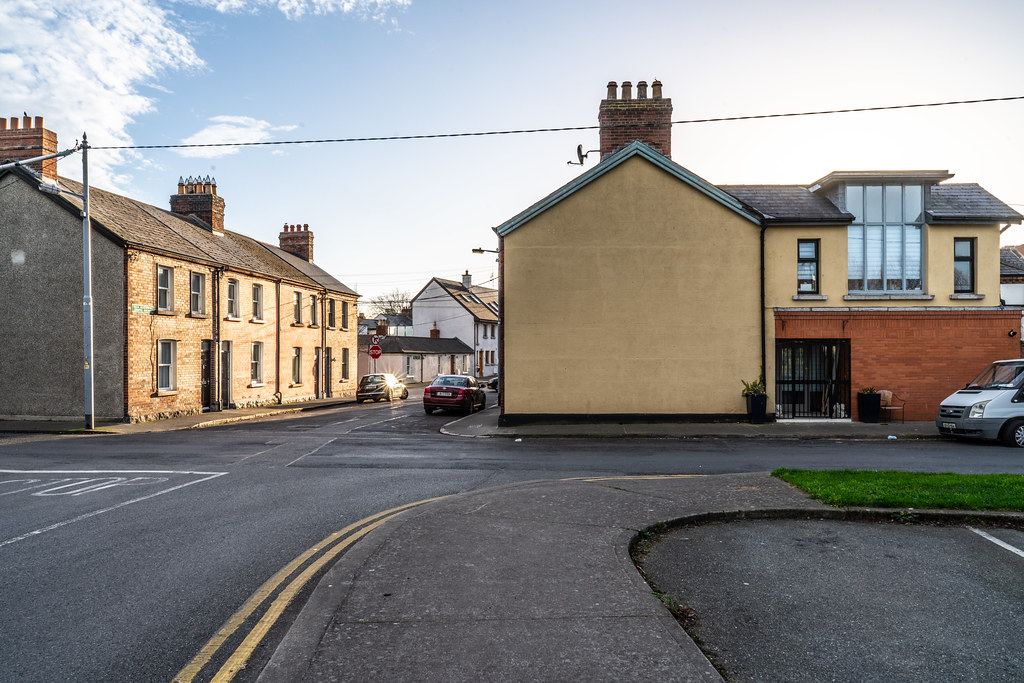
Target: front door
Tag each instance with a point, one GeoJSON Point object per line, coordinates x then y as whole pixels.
{"type": "Point", "coordinates": [812, 378]}
{"type": "Point", "coordinates": [451, 363]}
{"type": "Point", "coordinates": [317, 364]}
{"type": "Point", "coordinates": [225, 375]}
{"type": "Point", "coordinates": [480, 364]}
{"type": "Point", "coordinates": [205, 374]}
{"type": "Point", "coordinates": [328, 364]}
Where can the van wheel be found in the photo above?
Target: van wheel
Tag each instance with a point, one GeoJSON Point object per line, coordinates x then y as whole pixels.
{"type": "Point", "coordinates": [1013, 434]}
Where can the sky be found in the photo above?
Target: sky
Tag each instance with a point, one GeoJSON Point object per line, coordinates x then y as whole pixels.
{"type": "Point", "coordinates": [389, 215]}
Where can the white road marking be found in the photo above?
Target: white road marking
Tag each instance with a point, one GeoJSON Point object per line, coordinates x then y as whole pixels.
{"type": "Point", "coordinates": [1002, 544]}
{"type": "Point", "coordinates": [326, 443]}
{"type": "Point", "coordinates": [207, 476]}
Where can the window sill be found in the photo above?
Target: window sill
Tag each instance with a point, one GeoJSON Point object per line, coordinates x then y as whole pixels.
{"type": "Point", "coordinates": [233, 319]}
{"type": "Point", "coordinates": [258, 321]}
{"type": "Point", "coordinates": [200, 316]}
{"type": "Point", "coordinates": [256, 385]}
{"type": "Point", "coordinates": [313, 326]}
{"type": "Point", "coordinates": [889, 297]}
{"type": "Point", "coordinates": [331, 327]}
{"type": "Point", "coordinates": [166, 392]}
{"type": "Point", "coordinates": [293, 384]}
{"type": "Point", "coordinates": [965, 296]}
{"type": "Point", "coordinates": [810, 297]}
{"type": "Point", "coordinates": [297, 325]}
{"type": "Point", "coordinates": [163, 312]}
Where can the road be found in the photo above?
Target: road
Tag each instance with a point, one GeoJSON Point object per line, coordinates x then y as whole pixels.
{"type": "Point", "coordinates": [122, 555]}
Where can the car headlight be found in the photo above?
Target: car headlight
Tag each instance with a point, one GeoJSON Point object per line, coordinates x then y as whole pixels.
{"type": "Point", "coordinates": [978, 409]}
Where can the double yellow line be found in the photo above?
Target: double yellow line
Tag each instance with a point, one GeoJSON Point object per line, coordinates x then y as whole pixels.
{"type": "Point", "coordinates": [328, 549]}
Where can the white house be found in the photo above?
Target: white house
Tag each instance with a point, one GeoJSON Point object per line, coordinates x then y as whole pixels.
{"type": "Point", "coordinates": [463, 311]}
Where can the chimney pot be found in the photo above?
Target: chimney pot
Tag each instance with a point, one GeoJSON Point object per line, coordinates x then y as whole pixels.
{"type": "Point", "coordinates": [3, 124]}
{"type": "Point", "coordinates": [627, 90]}
{"type": "Point", "coordinates": [26, 122]}
{"type": "Point", "coordinates": [656, 87]}
{"type": "Point", "coordinates": [612, 88]}
{"type": "Point", "coordinates": [14, 123]}
{"type": "Point", "coordinates": [39, 122]}
{"type": "Point", "coordinates": [641, 90]}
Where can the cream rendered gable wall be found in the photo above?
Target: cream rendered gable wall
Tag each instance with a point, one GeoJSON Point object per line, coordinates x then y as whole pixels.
{"type": "Point", "coordinates": [635, 244]}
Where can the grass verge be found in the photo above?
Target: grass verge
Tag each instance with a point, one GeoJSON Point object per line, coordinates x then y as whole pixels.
{"type": "Point", "coordinates": [921, 490]}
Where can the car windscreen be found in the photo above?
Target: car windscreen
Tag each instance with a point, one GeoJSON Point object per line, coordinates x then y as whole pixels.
{"type": "Point", "coordinates": [372, 379]}
{"type": "Point", "coordinates": [999, 376]}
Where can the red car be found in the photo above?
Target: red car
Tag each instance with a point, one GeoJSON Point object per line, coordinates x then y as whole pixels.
{"type": "Point", "coordinates": [460, 392]}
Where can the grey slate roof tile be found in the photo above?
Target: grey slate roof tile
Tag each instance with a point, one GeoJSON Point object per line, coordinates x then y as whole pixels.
{"type": "Point", "coordinates": [788, 204]}
{"type": "Point", "coordinates": [966, 203]}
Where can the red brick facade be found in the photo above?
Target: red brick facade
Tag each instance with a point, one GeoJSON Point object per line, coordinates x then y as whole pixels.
{"type": "Point", "coordinates": [923, 355]}
{"type": "Point", "coordinates": [25, 141]}
{"type": "Point", "coordinates": [624, 119]}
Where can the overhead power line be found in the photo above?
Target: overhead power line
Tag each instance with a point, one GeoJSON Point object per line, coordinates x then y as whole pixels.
{"type": "Point", "coordinates": [431, 136]}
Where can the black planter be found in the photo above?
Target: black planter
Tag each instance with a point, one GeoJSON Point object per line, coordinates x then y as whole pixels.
{"type": "Point", "coordinates": [868, 407]}
{"type": "Point", "coordinates": [757, 408]}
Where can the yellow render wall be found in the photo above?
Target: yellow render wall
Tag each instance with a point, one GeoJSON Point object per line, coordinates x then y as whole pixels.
{"type": "Point", "coordinates": [781, 263]}
{"type": "Point", "coordinates": [636, 295]}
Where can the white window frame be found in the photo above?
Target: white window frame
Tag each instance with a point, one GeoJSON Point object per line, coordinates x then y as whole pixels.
{"type": "Point", "coordinates": [197, 297]}
{"type": "Point", "coordinates": [257, 301]}
{"type": "Point", "coordinates": [256, 363]}
{"type": "Point", "coordinates": [167, 291]}
{"type": "Point", "coordinates": [344, 363]}
{"type": "Point", "coordinates": [167, 365]}
{"type": "Point", "coordinates": [297, 365]}
{"type": "Point", "coordinates": [233, 308]}
{"type": "Point", "coordinates": [297, 307]}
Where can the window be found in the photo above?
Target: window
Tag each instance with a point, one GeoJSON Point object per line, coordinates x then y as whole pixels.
{"type": "Point", "coordinates": [330, 313]}
{"type": "Point", "coordinates": [164, 288]}
{"type": "Point", "coordinates": [963, 265]}
{"type": "Point", "coordinates": [884, 239]}
{"type": "Point", "coordinates": [314, 312]}
{"type": "Point", "coordinates": [807, 266]}
{"type": "Point", "coordinates": [198, 293]}
{"type": "Point", "coordinates": [297, 365]}
{"type": "Point", "coordinates": [344, 363]}
{"type": "Point", "coordinates": [297, 312]}
{"type": "Point", "coordinates": [257, 302]}
{"type": "Point", "coordinates": [257, 363]}
{"type": "Point", "coordinates": [494, 332]}
{"type": "Point", "coordinates": [232, 298]}
{"type": "Point", "coordinates": [344, 315]}
{"type": "Point", "coordinates": [167, 365]}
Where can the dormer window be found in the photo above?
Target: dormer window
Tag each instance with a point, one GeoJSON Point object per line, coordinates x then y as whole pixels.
{"type": "Point", "coordinates": [884, 240]}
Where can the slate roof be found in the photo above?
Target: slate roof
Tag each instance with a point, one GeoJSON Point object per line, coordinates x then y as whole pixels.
{"type": "Point", "coordinates": [481, 311]}
{"type": "Point", "coordinates": [136, 224]}
{"type": "Point", "coordinates": [1011, 264]}
{"type": "Point", "coordinates": [967, 203]}
{"type": "Point", "coordinates": [420, 345]}
{"type": "Point", "coordinates": [788, 204]}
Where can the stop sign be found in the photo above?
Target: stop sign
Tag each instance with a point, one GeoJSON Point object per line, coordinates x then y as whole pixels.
{"type": "Point", "coordinates": [374, 351]}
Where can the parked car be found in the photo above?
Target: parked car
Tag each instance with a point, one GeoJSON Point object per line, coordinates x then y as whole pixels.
{"type": "Point", "coordinates": [460, 392]}
{"type": "Point", "coordinates": [494, 382]}
{"type": "Point", "coordinates": [990, 407]}
{"type": "Point", "coordinates": [380, 386]}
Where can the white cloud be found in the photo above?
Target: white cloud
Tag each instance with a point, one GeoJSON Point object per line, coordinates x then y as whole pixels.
{"type": "Point", "coordinates": [229, 129]}
{"type": "Point", "coordinates": [81, 63]}
{"type": "Point", "coordinates": [378, 10]}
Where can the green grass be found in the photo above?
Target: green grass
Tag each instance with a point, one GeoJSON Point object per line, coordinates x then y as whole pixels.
{"type": "Point", "coordinates": [947, 491]}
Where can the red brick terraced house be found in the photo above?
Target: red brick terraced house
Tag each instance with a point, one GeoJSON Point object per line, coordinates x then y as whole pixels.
{"type": "Point", "coordinates": [188, 316]}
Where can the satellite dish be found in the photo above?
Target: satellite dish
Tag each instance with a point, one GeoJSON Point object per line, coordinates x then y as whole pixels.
{"type": "Point", "coordinates": [579, 154]}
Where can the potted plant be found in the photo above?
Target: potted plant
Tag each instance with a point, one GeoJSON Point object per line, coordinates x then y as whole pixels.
{"type": "Point", "coordinates": [869, 404]}
{"type": "Point", "coordinates": [757, 400]}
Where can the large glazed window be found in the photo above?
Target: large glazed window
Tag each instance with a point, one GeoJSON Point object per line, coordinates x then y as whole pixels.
{"type": "Point", "coordinates": [884, 240]}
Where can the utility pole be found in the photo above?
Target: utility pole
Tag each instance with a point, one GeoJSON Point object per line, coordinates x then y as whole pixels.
{"type": "Point", "coordinates": [90, 417]}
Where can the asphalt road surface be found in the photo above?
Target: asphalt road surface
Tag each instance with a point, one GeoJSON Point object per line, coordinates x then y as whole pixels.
{"type": "Point", "coordinates": [121, 556]}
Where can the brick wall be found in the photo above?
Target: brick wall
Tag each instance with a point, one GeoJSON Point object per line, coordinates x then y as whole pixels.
{"type": "Point", "coordinates": [623, 119]}
{"type": "Point", "coordinates": [923, 356]}
{"type": "Point", "coordinates": [23, 140]}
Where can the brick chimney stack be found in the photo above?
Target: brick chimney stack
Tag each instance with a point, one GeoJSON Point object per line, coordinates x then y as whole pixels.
{"type": "Point", "coordinates": [625, 119]}
{"type": "Point", "coordinates": [467, 280]}
{"type": "Point", "coordinates": [25, 141]}
{"type": "Point", "coordinates": [198, 197]}
{"type": "Point", "coordinates": [434, 332]}
{"type": "Point", "coordinates": [297, 239]}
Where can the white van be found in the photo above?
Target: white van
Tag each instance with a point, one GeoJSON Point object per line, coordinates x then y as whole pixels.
{"type": "Point", "coordinates": [990, 407]}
